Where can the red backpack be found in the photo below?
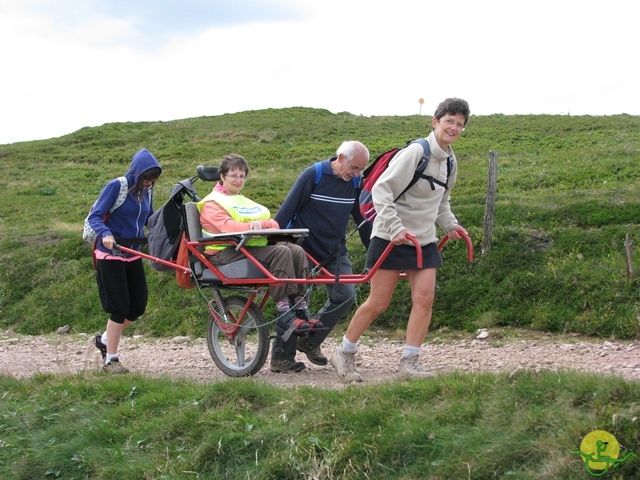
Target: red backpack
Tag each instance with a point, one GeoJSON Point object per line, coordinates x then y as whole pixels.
{"type": "Point", "coordinates": [371, 175]}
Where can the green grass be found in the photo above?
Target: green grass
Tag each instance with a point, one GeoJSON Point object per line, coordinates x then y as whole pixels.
{"type": "Point", "coordinates": [567, 197]}
{"type": "Point", "coordinates": [521, 426]}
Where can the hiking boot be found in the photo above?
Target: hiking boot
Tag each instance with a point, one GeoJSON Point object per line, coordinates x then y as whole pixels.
{"type": "Point", "coordinates": [345, 364]}
{"type": "Point", "coordinates": [114, 366]}
{"type": "Point", "coordinates": [314, 354]}
{"type": "Point", "coordinates": [282, 365]}
{"type": "Point", "coordinates": [410, 367]}
{"type": "Point", "coordinates": [101, 346]}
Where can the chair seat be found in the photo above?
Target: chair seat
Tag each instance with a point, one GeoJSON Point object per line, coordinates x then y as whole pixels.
{"type": "Point", "coordinates": [239, 269]}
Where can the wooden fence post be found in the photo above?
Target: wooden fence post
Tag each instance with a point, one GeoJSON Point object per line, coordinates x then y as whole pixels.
{"type": "Point", "coordinates": [491, 201]}
{"type": "Point", "coordinates": [627, 247]}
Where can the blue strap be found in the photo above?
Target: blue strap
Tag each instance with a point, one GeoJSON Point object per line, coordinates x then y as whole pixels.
{"type": "Point", "coordinates": [318, 166]}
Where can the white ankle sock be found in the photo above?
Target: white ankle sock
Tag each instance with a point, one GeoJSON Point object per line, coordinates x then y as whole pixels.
{"type": "Point", "coordinates": [109, 357]}
{"type": "Point", "coordinates": [348, 346]}
{"type": "Point", "coordinates": [103, 338]}
{"type": "Point", "coordinates": [410, 351]}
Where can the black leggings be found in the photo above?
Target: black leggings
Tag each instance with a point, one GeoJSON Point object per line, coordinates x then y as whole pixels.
{"type": "Point", "coordinates": [123, 289]}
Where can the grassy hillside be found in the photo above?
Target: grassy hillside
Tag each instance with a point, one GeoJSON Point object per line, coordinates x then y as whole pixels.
{"type": "Point", "coordinates": [568, 193]}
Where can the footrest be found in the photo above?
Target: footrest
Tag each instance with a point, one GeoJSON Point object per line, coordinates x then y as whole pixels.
{"type": "Point", "coordinates": [316, 325]}
{"type": "Point", "coordinates": [301, 326]}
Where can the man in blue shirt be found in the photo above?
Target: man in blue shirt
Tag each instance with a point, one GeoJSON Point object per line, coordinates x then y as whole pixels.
{"type": "Point", "coordinates": [322, 199]}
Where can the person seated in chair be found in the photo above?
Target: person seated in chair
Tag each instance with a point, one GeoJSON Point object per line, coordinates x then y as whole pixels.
{"type": "Point", "coordinates": [226, 210]}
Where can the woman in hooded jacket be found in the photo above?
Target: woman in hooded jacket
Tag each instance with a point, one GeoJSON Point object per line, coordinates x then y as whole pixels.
{"type": "Point", "coordinates": [120, 276]}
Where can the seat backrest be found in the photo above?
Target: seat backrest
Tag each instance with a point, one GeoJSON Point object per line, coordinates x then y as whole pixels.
{"type": "Point", "coordinates": [193, 228]}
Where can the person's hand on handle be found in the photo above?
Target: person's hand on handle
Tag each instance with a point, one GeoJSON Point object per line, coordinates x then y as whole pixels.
{"type": "Point", "coordinates": [108, 241]}
{"type": "Point", "coordinates": [402, 238]}
{"type": "Point", "coordinates": [456, 232]}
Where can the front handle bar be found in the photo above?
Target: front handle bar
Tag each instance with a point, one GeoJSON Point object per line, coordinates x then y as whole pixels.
{"type": "Point", "coordinates": [466, 239]}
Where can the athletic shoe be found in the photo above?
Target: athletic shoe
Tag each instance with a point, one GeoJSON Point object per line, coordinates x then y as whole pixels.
{"type": "Point", "coordinates": [345, 364]}
{"type": "Point", "coordinates": [314, 354]}
{"type": "Point", "coordinates": [410, 367]}
{"type": "Point", "coordinates": [282, 365]}
{"type": "Point", "coordinates": [101, 346]}
{"type": "Point", "coordinates": [114, 366]}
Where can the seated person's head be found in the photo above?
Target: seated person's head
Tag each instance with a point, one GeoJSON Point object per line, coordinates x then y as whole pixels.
{"type": "Point", "coordinates": [231, 162]}
{"type": "Point", "coordinates": [233, 171]}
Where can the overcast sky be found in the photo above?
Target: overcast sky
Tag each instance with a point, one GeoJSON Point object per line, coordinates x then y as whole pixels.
{"type": "Point", "coordinates": [68, 64]}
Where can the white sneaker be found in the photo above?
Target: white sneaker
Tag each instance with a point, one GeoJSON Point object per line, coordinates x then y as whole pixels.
{"type": "Point", "coordinates": [410, 367]}
{"type": "Point", "coordinates": [345, 364]}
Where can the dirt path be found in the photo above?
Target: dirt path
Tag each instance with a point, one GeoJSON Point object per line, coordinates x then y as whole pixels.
{"type": "Point", "coordinates": [181, 357]}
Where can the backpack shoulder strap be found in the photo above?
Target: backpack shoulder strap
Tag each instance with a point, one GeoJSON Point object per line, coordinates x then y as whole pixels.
{"type": "Point", "coordinates": [122, 195]}
{"type": "Point", "coordinates": [449, 169]}
{"type": "Point", "coordinates": [318, 166]}
{"type": "Point", "coordinates": [422, 165]}
{"type": "Point", "coordinates": [425, 146]}
{"type": "Point", "coordinates": [425, 156]}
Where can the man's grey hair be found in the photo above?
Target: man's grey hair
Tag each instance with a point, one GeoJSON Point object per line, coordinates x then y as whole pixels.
{"type": "Point", "coordinates": [348, 148]}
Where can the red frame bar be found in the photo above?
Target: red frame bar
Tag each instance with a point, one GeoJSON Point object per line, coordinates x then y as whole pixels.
{"type": "Point", "coordinates": [324, 277]}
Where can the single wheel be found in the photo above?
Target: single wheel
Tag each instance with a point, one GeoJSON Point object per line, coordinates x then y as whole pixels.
{"type": "Point", "coordinates": [246, 351]}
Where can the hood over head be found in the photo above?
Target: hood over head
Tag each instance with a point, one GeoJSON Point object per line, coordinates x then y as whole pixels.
{"type": "Point", "coordinates": [142, 161]}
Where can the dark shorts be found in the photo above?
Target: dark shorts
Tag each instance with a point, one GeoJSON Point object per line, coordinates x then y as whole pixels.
{"type": "Point", "coordinates": [123, 289]}
{"type": "Point", "coordinates": [402, 257]}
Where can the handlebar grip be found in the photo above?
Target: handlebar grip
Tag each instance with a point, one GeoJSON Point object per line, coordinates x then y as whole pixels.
{"type": "Point", "coordinates": [128, 242]}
